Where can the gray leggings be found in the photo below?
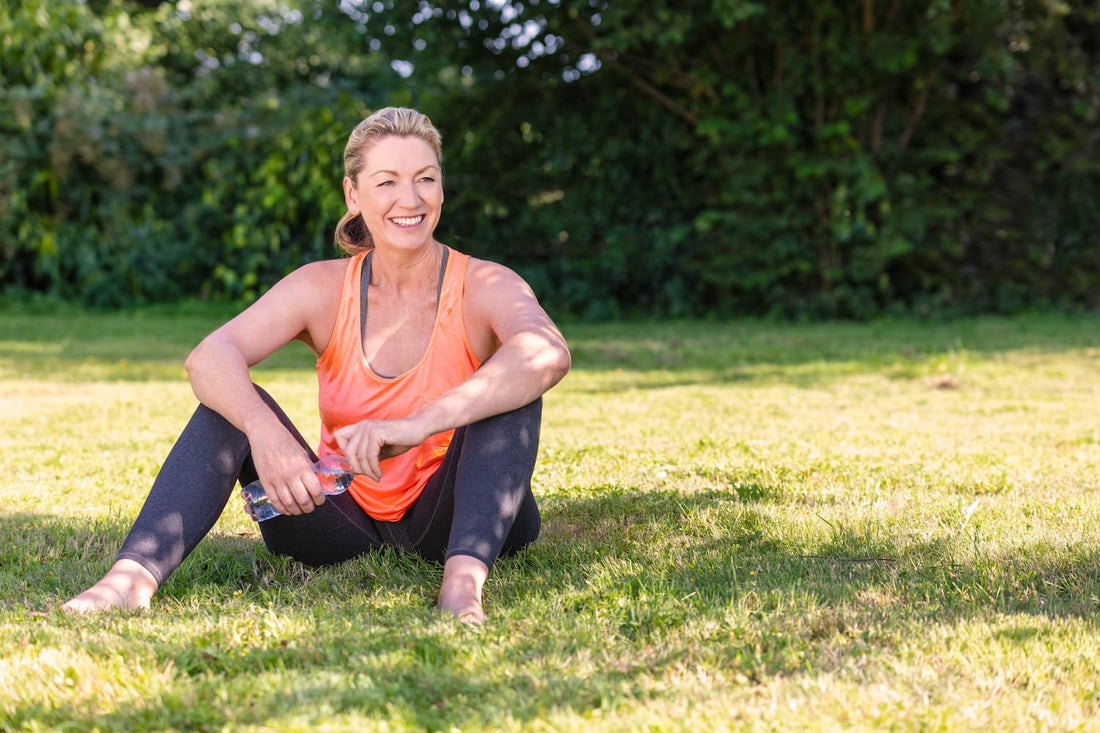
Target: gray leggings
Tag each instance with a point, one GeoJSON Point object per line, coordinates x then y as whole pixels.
{"type": "Point", "coordinates": [478, 503]}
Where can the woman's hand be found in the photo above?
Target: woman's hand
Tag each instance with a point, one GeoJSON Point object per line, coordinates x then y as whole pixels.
{"type": "Point", "coordinates": [285, 469]}
{"type": "Point", "coordinates": [369, 442]}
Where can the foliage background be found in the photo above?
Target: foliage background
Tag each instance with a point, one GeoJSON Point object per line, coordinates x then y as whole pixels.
{"type": "Point", "coordinates": [628, 157]}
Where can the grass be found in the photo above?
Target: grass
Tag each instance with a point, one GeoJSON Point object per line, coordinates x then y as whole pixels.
{"type": "Point", "coordinates": [747, 526]}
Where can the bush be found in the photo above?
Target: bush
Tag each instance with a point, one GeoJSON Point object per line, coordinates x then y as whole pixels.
{"type": "Point", "coordinates": [807, 159]}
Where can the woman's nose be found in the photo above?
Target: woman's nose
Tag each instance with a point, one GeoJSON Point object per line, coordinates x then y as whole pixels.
{"type": "Point", "coordinates": [409, 196]}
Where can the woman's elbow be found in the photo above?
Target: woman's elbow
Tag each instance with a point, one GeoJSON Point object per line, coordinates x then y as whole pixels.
{"type": "Point", "coordinates": [565, 359]}
{"type": "Point", "coordinates": [193, 364]}
{"type": "Point", "coordinates": [561, 362]}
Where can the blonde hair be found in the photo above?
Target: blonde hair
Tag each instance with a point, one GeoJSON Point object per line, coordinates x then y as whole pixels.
{"type": "Point", "coordinates": [351, 234]}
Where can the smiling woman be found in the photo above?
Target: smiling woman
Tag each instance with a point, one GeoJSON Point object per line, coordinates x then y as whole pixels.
{"type": "Point", "coordinates": [400, 195]}
{"type": "Point", "coordinates": [431, 365]}
{"type": "Point", "coordinates": [415, 143]}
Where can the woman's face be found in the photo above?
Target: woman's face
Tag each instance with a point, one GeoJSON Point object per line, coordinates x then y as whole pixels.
{"type": "Point", "coordinates": [399, 192]}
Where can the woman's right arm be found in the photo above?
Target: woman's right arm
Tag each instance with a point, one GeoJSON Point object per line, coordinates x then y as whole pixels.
{"type": "Point", "coordinates": [302, 306]}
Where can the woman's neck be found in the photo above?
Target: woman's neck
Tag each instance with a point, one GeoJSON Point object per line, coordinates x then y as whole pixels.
{"type": "Point", "coordinates": [401, 270]}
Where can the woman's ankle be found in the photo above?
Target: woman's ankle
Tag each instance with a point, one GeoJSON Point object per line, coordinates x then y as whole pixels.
{"type": "Point", "coordinates": [460, 593]}
{"type": "Point", "coordinates": [127, 585]}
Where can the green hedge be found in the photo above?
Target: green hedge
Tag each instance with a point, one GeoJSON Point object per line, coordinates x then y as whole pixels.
{"type": "Point", "coordinates": [704, 157]}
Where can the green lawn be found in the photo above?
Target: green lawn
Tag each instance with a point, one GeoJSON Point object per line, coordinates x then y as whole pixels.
{"type": "Point", "coordinates": [747, 525]}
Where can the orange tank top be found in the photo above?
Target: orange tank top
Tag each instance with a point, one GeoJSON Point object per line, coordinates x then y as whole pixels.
{"type": "Point", "coordinates": [350, 391]}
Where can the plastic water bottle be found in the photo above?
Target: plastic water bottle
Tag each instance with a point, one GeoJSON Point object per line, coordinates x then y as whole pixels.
{"type": "Point", "coordinates": [333, 471]}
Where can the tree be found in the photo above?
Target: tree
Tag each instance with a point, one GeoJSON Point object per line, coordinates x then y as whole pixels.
{"type": "Point", "coordinates": [628, 157]}
{"type": "Point", "coordinates": [826, 158]}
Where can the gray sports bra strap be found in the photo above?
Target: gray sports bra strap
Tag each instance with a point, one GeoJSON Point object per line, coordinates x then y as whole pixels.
{"type": "Point", "coordinates": [364, 282]}
{"type": "Point", "coordinates": [442, 272]}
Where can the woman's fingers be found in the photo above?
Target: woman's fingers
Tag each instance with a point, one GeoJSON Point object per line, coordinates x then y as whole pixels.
{"type": "Point", "coordinates": [362, 444]}
{"type": "Point", "coordinates": [373, 458]}
{"type": "Point", "coordinates": [369, 442]}
{"type": "Point", "coordinates": [299, 495]}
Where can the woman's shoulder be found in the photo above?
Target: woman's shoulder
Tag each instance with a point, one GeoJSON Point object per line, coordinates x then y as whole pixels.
{"type": "Point", "coordinates": [322, 273]}
{"type": "Point", "coordinates": [313, 292]}
{"type": "Point", "coordinates": [479, 270]}
{"type": "Point", "coordinates": [492, 289]}
{"type": "Point", "coordinates": [310, 286]}
{"type": "Point", "coordinates": [336, 265]}
{"type": "Point", "coordinates": [494, 279]}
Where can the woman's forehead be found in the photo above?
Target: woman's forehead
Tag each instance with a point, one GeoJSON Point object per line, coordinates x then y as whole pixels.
{"type": "Point", "coordinates": [393, 152]}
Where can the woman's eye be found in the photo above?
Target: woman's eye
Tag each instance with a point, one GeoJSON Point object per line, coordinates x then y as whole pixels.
{"type": "Point", "coordinates": [428, 179]}
{"type": "Point", "coordinates": [385, 183]}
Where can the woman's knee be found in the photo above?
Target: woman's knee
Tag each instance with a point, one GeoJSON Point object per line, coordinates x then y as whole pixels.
{"type": "Point", "coordinates": [509, 433]}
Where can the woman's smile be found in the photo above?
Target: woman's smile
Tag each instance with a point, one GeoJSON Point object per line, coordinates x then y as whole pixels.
{"type": "Point", "coordinates": [407, 221]}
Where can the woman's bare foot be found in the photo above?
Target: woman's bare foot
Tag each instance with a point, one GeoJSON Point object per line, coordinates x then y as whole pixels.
{"type": "Point", "coordinates": [126, 585]}
{"type": "Point", "coordinates": [463, 578]}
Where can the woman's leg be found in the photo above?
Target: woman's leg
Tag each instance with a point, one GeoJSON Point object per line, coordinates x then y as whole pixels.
{"type": "Point", "coordinates": [188, 495]}
{"type": "Point", "coordinates": [479, 504]}
{"type": "Point", "coordinates": [332, 533]}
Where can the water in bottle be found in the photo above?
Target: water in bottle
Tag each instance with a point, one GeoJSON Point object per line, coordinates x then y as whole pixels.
{"type": "Point", "coordinates": [333, 471]}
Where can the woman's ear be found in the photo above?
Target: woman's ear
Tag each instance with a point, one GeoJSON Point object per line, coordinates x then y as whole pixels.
{"type": "Point", "coordinates": [351, 195]}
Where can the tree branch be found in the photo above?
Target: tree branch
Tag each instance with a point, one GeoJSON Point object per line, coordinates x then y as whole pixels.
{"type": "Point", "coordinates": [918, 112]}
{"type": "Point", "coordinates": [668, 102]}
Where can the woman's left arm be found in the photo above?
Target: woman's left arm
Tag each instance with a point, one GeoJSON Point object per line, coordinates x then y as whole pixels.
{"type": "Point", "coordinates": [524, 355]}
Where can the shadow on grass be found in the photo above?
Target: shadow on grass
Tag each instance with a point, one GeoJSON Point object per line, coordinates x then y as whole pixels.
{"type": "Point", "coordinates": [673, 345]}
{"type": "Point", "coordinates": [706, 553]}
{"type": "Point", "coordinates": [645, 585]}
{"type": "Point", "coordinates": [672, 354]}
{"type": "Point", "coordinates": [152, 345]}
{"type": "Point", "coordinates": [45, 560]}
{"type": "Point", "coordinates": [117, 347]}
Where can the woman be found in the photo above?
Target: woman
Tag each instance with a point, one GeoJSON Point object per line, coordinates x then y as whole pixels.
{"type": "Point", "coordinates": [431, 366]}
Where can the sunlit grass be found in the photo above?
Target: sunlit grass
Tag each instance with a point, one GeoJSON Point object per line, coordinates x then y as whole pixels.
{"type": "Point", "coordinates": [746, 525]}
